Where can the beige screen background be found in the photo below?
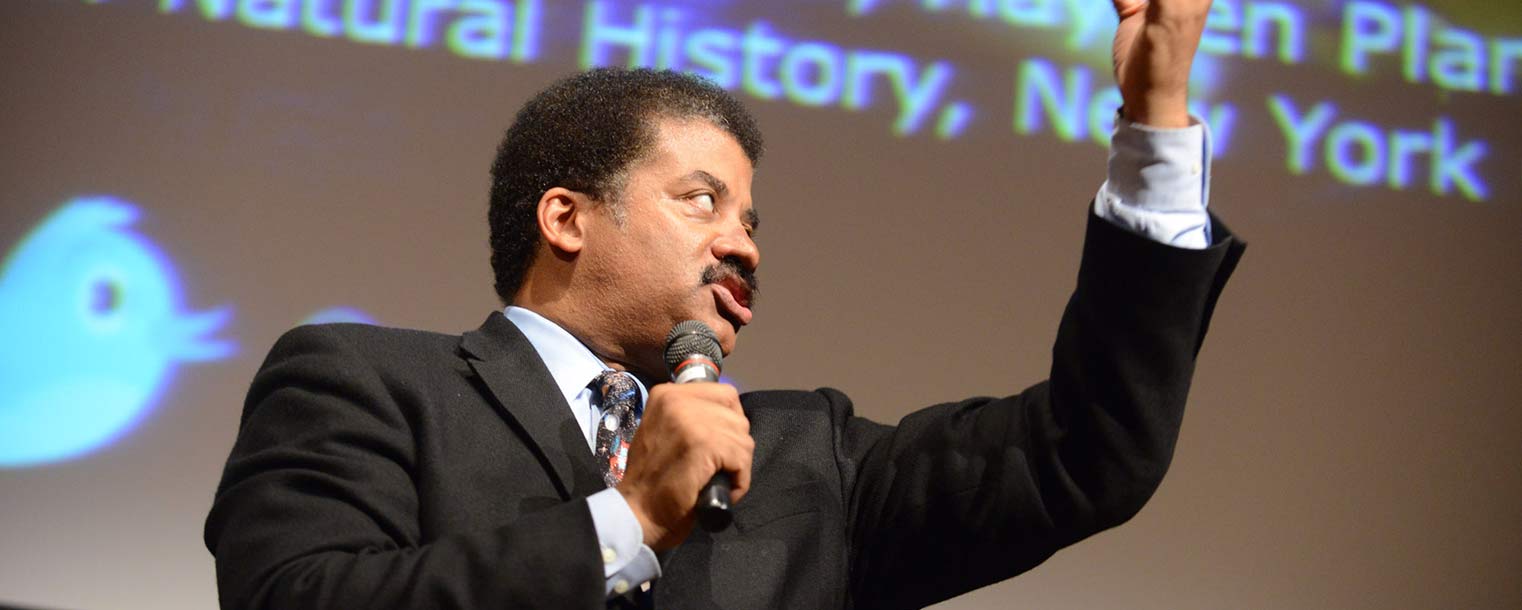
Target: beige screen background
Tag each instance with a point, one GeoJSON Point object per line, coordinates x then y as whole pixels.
{"type": "Point", "coordinates": [1352, 433]}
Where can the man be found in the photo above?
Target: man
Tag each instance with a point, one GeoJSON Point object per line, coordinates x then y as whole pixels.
{"type": "Point", "coordinates": [382, 468]}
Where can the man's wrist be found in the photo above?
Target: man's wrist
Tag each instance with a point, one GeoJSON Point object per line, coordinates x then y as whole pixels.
{"type": "Point", "coordinates": [650, 532]}
{"type": "Point", "coordinates": [627, 561]}
{"type": "Point", "coordinates": [1169, 112]}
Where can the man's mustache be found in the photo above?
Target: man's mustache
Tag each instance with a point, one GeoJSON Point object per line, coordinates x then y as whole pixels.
{"type": "Point", "coordinates": [730, 267]}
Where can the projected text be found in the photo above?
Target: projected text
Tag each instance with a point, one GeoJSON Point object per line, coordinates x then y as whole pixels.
{"type": "Point", "coordinates": [1058, 82]}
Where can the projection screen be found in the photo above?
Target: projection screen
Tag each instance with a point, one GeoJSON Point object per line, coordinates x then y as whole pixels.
{"type": "Point", "coordinates": [185, 180]}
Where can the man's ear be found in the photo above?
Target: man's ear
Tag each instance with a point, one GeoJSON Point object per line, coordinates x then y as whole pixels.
{"type": "Point", "coordinates": [561, 214]}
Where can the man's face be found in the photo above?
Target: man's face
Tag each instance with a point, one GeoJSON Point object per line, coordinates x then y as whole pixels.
{"type": "Point", "coordinates": [680, 248]}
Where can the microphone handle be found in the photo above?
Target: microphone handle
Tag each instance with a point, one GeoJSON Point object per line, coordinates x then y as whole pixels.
{"type": "Point", "coordinates": [714, 514]}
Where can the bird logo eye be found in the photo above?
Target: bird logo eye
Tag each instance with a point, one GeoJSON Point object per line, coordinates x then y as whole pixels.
{"type": "Point", "coordinates": [104, 300]}
{"type": "Point", "coordinates": [105, 296]}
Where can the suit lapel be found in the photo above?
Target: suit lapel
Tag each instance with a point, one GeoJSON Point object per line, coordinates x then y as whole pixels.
{"type": "Point", "coordinates": [524, 392]}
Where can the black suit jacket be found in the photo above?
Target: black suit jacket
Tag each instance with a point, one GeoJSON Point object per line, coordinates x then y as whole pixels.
{"type": "Point", "coordinates": [384, 468]}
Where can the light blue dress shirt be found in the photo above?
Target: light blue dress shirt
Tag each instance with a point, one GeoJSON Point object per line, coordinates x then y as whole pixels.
{"type": "Point", "coordinates": [627, 562]}
{"type": "Point", "coordinates": [1158, 186]}
{"type": "Point", "coordinates": [1158, 183]}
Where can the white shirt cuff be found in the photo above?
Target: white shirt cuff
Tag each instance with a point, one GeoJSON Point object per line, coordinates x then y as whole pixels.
{"type": "Point", "coordinates": [627, 562]}
{"type": "Point", "coordinates": [1158, 183]}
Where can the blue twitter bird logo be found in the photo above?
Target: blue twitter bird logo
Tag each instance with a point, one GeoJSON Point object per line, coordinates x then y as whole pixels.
{"type": "Point", "coordinates": [93, 327]}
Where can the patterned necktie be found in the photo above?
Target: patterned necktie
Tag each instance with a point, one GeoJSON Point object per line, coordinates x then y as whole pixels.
{"type": "Point", "coordinates": [616, 428]}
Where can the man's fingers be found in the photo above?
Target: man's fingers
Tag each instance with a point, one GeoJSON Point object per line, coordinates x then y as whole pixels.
{"type": "Point", "coordinates": [734, 420]}
{"type": "Point", "coordinates": [721, 393]}
{"type": "Point", "coordinates": [1127, 8]}
{"type": "Point", "coordinates": [737, 461]}
{"type": "Point", "coordinates": [725, 439]}
{"type": "Point", "coordinates": [717, 393]}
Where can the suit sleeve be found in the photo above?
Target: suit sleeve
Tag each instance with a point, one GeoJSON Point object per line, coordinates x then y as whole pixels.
{"type": "Point", "coordinates": [962, 495]}
{"type": "Point", "coordinates": [317, 507]}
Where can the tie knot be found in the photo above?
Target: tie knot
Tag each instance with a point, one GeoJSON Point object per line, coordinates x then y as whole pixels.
{"type": "Point", "coordinates": [616, 387]}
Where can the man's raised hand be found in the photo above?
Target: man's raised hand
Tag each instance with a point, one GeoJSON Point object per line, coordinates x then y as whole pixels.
{"type": "Point", "coordinates": [1154, 50]}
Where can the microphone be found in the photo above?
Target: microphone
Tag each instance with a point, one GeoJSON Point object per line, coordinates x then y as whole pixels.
{"type": "Point", "coordinates": [693, 355]}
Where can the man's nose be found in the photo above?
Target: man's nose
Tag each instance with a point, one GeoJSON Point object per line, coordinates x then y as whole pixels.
{"type": "Point", "coordinates": [737, 243]}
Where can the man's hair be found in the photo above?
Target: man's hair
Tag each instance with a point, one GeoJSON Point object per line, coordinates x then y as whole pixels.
{"type": "Point", "coordinates": [582, 133]}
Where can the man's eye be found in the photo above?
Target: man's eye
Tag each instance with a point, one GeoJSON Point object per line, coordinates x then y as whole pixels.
{"type": "Point", "coordinates": [704, 201]}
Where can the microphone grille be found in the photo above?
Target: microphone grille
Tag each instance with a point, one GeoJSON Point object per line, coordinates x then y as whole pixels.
{"type": "Point", "coordinates": [692, 337]}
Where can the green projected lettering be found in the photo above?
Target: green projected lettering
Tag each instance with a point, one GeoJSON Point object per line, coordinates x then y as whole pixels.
{"type": "Point", "coordinates": [481, 29]}
{"type": "Point", "coordinates": [1361, 153]}
{"type": "Point", "coordinates": [768, 65]}
{"type": "Point", "coordinates": [1428, 49]}
{"type": "Point", "coordinates": [1067, 99]}
{"type": "Point", "coordinates": [1045, 62]}
{"type": "Point", "coordinates": [1255, 29]}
